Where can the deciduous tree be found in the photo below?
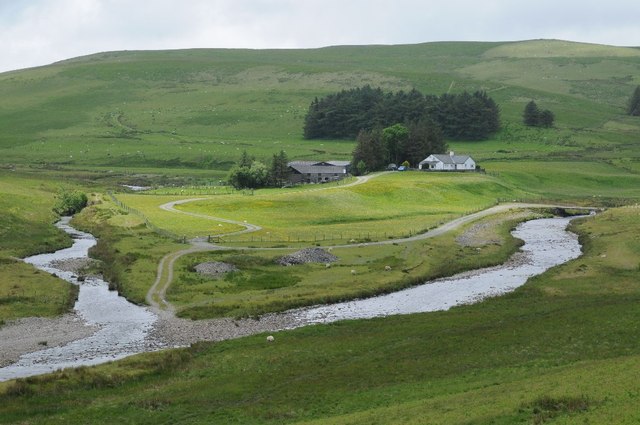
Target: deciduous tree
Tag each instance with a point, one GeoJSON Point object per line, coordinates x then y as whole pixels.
{"type": "Point", "coordinates": [395, 139]}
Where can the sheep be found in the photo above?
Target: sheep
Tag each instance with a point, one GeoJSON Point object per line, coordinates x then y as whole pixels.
{"type": "Point", "coordinates": [387, 268]}
{"type": "Point", "coordinates": [327, 265]}
{"type": "Point", "coordinates": [270, 338]}
{"type": "Point", "coordinates": [353, 272]}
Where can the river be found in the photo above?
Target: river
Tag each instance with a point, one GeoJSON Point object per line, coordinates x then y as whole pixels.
{"type": "Point", "coordinates": [547, 244]}
{"type": "Point", "coordinates": [125, 328]}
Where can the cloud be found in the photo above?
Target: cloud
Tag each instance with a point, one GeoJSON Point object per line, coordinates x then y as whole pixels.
{"type": "Point", "coordinates": [36, 32]}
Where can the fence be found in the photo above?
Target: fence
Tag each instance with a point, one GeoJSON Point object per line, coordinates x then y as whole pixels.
{"type": "Point", "coordinates": [150, 226]}
{"type": "Point", "coordinates": [320, 237]}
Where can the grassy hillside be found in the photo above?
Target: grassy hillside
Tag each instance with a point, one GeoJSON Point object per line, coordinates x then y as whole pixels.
{"type": "Point", "coordinates": [200, 108]}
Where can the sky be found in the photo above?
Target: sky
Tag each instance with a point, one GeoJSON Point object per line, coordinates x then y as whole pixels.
{"type": "Point", "coordinates": [39, 32]}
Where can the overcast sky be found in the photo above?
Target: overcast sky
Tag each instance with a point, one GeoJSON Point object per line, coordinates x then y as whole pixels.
{"type": "Point", "coordinates": [38, 32]}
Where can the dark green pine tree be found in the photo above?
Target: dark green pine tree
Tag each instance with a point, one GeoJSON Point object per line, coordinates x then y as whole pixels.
{"type": "Point", "coordinates": [313, 121]}
{"type": "Point", "coordinates": [279, 171]}
{"type": "Point", "coordinates": [634, 103]}
{"type": "Point", "coordinates": [531, 114]}
{"type": "Point", "coordinates": [245, 160]}
{"type": "Point", "coordinates": [546, 118]}
{"type": "Point", "coordinates": [370, 150]}
{"type": "Point", "coordinates": [424, 139]}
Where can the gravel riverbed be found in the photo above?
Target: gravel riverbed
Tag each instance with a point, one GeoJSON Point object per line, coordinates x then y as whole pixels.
{"type": "Point", "coordinates": [32, 334]}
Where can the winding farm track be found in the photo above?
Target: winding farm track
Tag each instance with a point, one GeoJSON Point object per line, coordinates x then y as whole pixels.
{"type": "Point", "coordinates": [156, 296]}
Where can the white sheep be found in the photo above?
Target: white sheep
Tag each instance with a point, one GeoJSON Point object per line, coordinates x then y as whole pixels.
{"type": "Point", "coordinates": [270, 338]}
{"type": "Point", "coordinates": [387, 268]}
{"type": "Point", "coordinates": [353, 272]}
{"type": "Point", "coordinates": [327, 265]}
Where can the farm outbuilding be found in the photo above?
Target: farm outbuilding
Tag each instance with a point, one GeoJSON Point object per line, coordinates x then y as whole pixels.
{"type": "Point", "coordinates": [447, 162]}
{"type": "Point", "coordinates": [317, 172]}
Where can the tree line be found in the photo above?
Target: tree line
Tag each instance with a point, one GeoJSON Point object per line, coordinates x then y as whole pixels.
{"type": "Point", "coordinates": [342, 115]}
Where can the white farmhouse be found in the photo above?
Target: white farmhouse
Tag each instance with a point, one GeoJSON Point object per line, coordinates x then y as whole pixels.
{"type": "Point", "coordinates": [450, 162]}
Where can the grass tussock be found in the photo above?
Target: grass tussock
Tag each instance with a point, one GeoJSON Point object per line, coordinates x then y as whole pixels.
{"type": "Point", "coordinates": [546, 408]}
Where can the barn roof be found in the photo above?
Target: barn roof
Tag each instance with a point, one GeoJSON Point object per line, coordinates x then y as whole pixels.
{"type": "Point", "coordinates": [316, 169]}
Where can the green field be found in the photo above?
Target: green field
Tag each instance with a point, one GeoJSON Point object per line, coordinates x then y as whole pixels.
{"type": "Point", "coordinates": [391, 205]}
{"type": "Point", "coordinates": [129, 251]}
{"type": "Point", "coordinates": [262, 286]}
{"type": "Point", "coordinates": [561, 349]}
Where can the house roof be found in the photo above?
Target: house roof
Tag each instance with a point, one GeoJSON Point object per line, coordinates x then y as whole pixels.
{"type": "Point", "coordinates": [447, 159]}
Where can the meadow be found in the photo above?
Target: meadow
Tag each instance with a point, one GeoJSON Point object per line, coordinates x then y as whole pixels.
{"type": "Point", "coordinates": [261, 285]}
{"type": "Point", "coordinates": [563, 348]}
{"type": "Point", "coordinates": [129, 251]}
{"type": "Point", "coordinates": [389, 206]}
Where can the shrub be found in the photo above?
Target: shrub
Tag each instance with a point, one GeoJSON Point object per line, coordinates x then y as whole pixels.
{"type": "Point", "coordinates": [70, 202]}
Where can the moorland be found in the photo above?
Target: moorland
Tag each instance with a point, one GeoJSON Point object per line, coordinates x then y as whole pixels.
{"type": "Point", "coordinates": [561, 349]}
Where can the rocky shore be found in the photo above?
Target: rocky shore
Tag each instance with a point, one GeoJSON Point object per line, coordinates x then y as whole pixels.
{"type": "Point", "coordinates": [36, 333]}
{"type": "Point", "coordinates": [77, 266]}
{"type": "Point", "coordinates": [172, 331]}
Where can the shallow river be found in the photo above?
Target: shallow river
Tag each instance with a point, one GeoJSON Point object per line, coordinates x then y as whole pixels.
{"type": "Point", "coordinates": [547, 244]}
{"type": "Point", "coordinates": [124, 327]}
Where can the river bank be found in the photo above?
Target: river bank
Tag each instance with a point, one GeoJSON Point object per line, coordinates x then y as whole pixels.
{"type": "Point", "coordinates": [32, 334]}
